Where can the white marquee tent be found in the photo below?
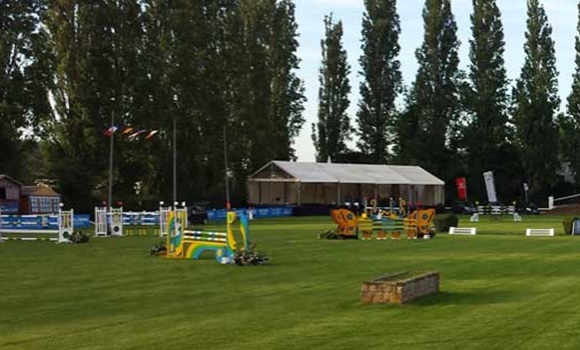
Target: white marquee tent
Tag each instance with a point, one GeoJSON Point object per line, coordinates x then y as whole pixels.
{"type": "Point", "coordinates": [297, 183]}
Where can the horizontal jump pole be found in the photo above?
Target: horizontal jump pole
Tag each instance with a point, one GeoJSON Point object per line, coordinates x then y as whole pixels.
{"type": "Point", "coordinates": [204, 233]}
{"type": "Point", "coordinates": [28, 239]}
{"type": "Point", "coordinates": [25, 230]}
{"type": "Point", "coordinates": [204, 239]}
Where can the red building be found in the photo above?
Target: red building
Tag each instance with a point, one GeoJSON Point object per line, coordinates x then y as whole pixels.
{"type": "Point", "coordinates": [9, 195]}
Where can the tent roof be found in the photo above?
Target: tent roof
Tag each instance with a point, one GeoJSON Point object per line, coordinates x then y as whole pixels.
{"type": "Point", "coordinates": [309, 172]}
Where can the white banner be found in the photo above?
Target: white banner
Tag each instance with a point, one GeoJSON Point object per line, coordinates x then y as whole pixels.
{"type": "Point", "coordinates": [490, 186]}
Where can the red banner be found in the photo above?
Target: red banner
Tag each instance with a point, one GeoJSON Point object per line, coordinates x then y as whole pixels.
{"type": "Point", "coordinates": [461, 185]}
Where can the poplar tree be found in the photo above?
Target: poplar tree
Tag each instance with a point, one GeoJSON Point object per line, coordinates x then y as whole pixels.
{"type": "Point", "coordinates": [333, 128]}
{"type": "Point", "coordinates": [536, 101]}
{"type": "Point", "coordinates": [381, 79]}
{"type": "Point", "coordinates": [570, 125]}
{"type": "Point", "coordinates": [426, 127]}
{"type": "Point", "coordinates": [95, 47]}
{"type": "Point", "coordinates": [486, 94]}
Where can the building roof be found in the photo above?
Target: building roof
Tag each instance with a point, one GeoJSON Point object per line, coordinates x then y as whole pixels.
{"type": "Point", "coordinates": [10, 179]}
{"type": "Point", "coordinates": [378, 174]}
{"type": "Point", "coordinates": [40, 191]}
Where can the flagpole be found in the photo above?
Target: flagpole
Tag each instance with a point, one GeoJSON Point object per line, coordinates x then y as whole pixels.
{"type": "Point", "coordinates": [175, 168]}
{"type": "Point", "coordinates": [226, 169]}
{"type": "Point", "coordinates": [110, 196]}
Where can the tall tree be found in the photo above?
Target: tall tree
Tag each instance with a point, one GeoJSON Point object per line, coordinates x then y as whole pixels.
{"type": "Point", "coordinates": [287, 88]}
{"type": "Point", "coordinates": [536, 102]}
{"type": "Point", "coordinates": [571, 125]}
{"type": "Point", "coordinates": [381, 78]}
{"type": "Point", "coordinates": [265, 96]}
{"type": "Point", "coordinates": [25, 79]}
{"type": "Point", "coordinates": [95, 51]}
{"type": "Point", "coordinates": [433, 106]}
{"type": "Point", "coordinates": [333, 128]}
{"type": "Point", "coordinates": [486, 94]}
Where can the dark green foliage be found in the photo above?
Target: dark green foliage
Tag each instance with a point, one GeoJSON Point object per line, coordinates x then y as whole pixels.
{"type": "Point", "coordinates": [536, 100]}
{"type": "Point", "coordinates": [158, 249]}
{"type": "Point", "coordinates": [79, 237]}
{"type": "Point", "coordinates": [333, 128]}
{"type": "Point", "coordinates": [381, 79]}
{"type": "Point", "coordinates": [567, 223]}
{"type": "Point", "coordinates": [486, 99]}
{"type": "Point", "coordinates": [570, 126]}
{"type": "Point", "coordinates": [24, 83]}
{"type": "Point", "coordinates": [443, 222]}
{"type": "Point", "coordinates": [249, 257]}
{"type": "Point", "coordinates": [205, 64]}
{"type": "Point", "coordinates": [428, 128]}
{"type": "Point", "coordinates": [328, 234]}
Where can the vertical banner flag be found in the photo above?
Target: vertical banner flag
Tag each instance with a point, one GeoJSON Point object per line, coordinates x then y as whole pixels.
{"type": "Point", "coordinates": [461, 185]}
{"type": "Point", "coordinates": [490, 186]}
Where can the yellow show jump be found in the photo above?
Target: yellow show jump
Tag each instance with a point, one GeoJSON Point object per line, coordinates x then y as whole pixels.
{"type": "Point", "coordinates": [414, 225]}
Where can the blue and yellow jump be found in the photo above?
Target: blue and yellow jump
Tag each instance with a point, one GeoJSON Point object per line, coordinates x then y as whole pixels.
{"type": "Point", "coordinates": [187, 244]}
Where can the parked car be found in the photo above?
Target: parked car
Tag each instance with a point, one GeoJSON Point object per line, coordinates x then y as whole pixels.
{"type": "Point", "coordinates": [528, 208]}
{"type": "Point", "coordinates": [197, 215]}
{"type": "Point", "coordinates": [464, 207]}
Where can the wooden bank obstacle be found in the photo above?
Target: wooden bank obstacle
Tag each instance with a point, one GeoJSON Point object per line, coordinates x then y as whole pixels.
{"type": "Point", "coordinates": [391, 221]}
{"type": "Point", "coordinates": [400, 288]}
{"type": "Point", "coordinates": [61, 225]}
{"type": "Point", "coordinates": [187, 244]}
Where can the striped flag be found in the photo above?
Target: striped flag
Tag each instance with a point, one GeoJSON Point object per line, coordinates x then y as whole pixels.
{"type": "Point", "coordinates": [127, 130]}
{"type": "Point", "coordinates": [110, 131]}
{"type": "Point", "coordinates": [151, 134]}
{"type": "Point", "coordinates": [136, 134]}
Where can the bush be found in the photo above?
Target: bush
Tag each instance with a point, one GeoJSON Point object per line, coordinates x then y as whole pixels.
{"type": "Point", "coordinates": [444, 221]}
{"type": "Point", "coordinates": [249, 257]}
{"type": "Point", "coordinates": [79, 237]}
{"type": "Point", "coordinates": [567, 223]}
{"type": "Point", "coordinates": [158, 249]}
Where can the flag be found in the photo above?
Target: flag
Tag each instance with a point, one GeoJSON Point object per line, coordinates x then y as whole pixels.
{"type": "Point", "coordinates": [110, 131]}
{"type": "Point", "coordinates": [461, 185]}
{"type": "Point", "coordinates": [490, 186]}
{"type": "Point", "coordinates": [127, 130]}
{"type": "Point", "coordinates": [151, 134]}
{"type": "Point", "coordinates": [134, 135]}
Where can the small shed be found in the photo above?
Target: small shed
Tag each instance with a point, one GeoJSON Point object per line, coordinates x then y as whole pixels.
{"type": "Point", "coordinates": [301, 183]}
{"type": "Point", "coordinates": [9, 194]}
{"type": "Point", "coordinates": [39, 200]}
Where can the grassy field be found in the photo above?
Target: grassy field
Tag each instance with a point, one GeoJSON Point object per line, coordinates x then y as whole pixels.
{"type": "Point", "coordinates": [499, 290]}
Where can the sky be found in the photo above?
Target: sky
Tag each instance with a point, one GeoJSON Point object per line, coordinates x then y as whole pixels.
{"type": "Point", "coordinates": [562, 16]}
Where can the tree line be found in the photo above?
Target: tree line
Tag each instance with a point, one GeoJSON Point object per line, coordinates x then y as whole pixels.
{"type": "Point", "coordinates": [226, 72]}
{"type": "Point", "coordinates": [452, 122]}
{"type": "Point", "coordinates": [217, 68]}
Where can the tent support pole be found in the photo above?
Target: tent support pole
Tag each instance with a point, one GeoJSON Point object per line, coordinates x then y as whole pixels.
{"type": "Point", "coordinates": [299, 194]}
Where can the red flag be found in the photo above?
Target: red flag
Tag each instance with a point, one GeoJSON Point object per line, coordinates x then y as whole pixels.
{"type": "Point", "coordinates": [110, 131]}
{"type": "Point", "coordinates": [461, 185]}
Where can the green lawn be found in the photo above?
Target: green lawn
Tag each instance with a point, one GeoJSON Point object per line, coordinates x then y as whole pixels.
{"type": "Point", "coordinates": [499, 290]}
